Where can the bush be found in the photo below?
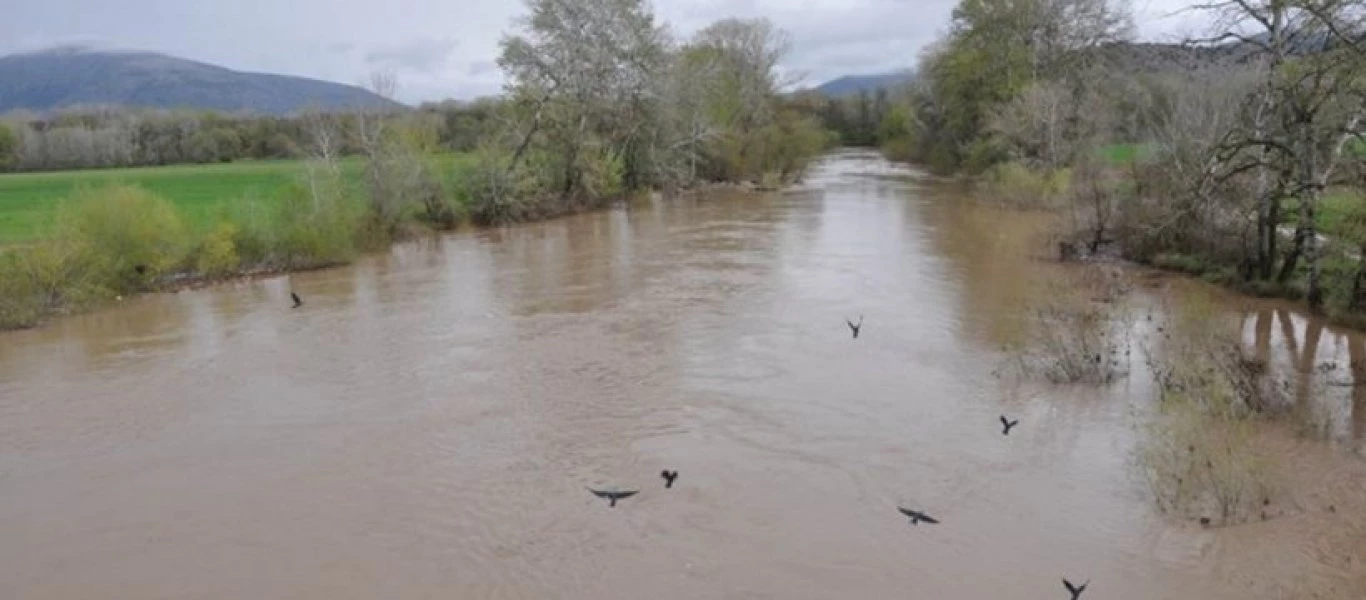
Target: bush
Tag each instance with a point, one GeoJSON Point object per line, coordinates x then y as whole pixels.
{"type": "Point", "coordinates": [21, 303]}
{"type": "Point", "coordinates": [496, 195]}
{"type": "Point", "coordinates": [1201, 454]}
{"type": "Point", "coordinates": [313, 222]}
{"type": "Point", "coordinates": [126, 233]}
{"type": "Point", "coordinates": [899, 149]}
{"type": "Point", "coordinates": [1016, 185]}
{"type": "Point", "coordinates": [216, 255]}
{"type": "Point", "coordinates": [1077, 334]}
{"type": "Point", "coordinates": [54, 275]}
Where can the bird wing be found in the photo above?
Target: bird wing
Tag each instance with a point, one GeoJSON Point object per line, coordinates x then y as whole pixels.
{"type": "Point", "coordinates": [928, 519]}
{"type": "Point", "coordinates": [627, 494]}
{"type": "Point", "coordinates": [910, 513]}
{"type": "Point", "coordinates": [1004, 421]}
{"type": "Point", "coordinates": [601, 493]}
{"type": "Point", "coordinates": [1071, 588]}
{"type": "Point", "coordinates": [850, 324]}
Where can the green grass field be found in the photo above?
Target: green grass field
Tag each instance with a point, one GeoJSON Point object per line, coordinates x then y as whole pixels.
{"type": "Point", "coordinates": [29, 201]}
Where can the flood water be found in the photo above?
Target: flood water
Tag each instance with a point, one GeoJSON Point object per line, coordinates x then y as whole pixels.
{"type": "Point", "coordinates": [426, 424]}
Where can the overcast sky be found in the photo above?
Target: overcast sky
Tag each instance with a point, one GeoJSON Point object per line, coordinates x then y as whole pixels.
{"type": "Point", "coordinates": [446, 48]}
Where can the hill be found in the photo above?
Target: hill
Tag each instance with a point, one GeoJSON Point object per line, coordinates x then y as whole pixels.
{"type": "Point", "coordinates": [853, 84]}
{"type": "Point", "coordinates": [76, 76]}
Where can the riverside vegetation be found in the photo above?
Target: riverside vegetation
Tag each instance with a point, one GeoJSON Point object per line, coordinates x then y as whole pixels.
{"type": "Point", "coordinates": [602, 104]}
{"type": "Point", "coordinates": [1236, 156]}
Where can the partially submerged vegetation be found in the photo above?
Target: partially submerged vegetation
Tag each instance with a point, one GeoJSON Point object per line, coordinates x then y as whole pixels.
{"type": "Point", "coordinates": [1236, 157]}
{"type": "Point", "coordinates": [1200, 453]}
{"type": "Point", "coordinates": [1079, 335]}
{"type": "Point", "coordinates": [602, 104]}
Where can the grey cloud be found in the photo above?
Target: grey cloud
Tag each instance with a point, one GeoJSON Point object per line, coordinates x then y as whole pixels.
{"type": "Point", "coordinates": [419, 55]}
{"type": "Point", "coordinates": [344, 40]}
{"type": "Point", "coordinates": [483, 67]}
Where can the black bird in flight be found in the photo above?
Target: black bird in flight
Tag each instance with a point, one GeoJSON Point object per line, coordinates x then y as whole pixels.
{"type": "Point", "coordinates": [297, 301]}
{"type": "Point", "coordinates": [917, 516]}
{"type": "Point", "coordinates": [669, 477]}
{"type": "Point", "coordinates": [855, 327]}
{"type": "Point", "coordinates": [1008, 424]}
{"type": "Point", "coordinates": [1075, 590]}
{"type": "Point", "coordinates": [613, 496]}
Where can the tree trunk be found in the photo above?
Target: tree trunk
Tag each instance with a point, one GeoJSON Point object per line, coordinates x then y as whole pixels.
{"type": "Point", "coordinates": [1311, 251]}
{"type": "Point", "coordinates": [1292, 256]}
{"type": "Point", "coordinates": [1354, 303]}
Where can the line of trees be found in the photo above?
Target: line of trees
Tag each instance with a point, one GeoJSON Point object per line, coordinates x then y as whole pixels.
{"type": "Point", "coordinates": [102, 137]}
{"type": "Point", "coordinates": [1237, 155]}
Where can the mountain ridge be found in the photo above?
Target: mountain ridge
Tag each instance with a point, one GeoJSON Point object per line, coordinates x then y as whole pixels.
{"type": "Point", "coordinates": [68, 76]}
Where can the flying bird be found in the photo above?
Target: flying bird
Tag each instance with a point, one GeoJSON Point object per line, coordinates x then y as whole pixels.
{"type": "Point", "coordinates": [855, 327]}
{"type": "Point", "coordinates": [669, 477]}
{"type": "Point", "coordinates": [917, 516]}
{"type": "Point", "coordinates": [1008, 424]}
{"type": "Point", "coordinates": [613, 496]}
{"type": "Point", "coordinates": [1075, 590]}
{"type": "Point", "coordinates": [297, 301]}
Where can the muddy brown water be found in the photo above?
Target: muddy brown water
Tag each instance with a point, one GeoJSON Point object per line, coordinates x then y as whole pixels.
{"type": "Point", "coordinates": [426, 424]}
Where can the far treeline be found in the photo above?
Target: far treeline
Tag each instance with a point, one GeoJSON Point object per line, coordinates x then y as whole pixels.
{"type": "Point", "coordinates": [1237, 156]}
{"type": "Point", "coordinates": [602, 102]}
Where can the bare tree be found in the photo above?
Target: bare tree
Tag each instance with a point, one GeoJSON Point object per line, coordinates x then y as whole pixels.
{"type": "Point", "coordinates": [1309, 106]}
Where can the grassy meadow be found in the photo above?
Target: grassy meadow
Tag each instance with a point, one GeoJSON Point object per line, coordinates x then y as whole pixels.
{"type": "Point", "coordinates": [72, 240]}
{"type": "Point", "coordinates": [29, 202]}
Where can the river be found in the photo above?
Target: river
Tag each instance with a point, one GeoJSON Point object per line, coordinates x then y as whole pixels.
{"type": "Point", "coordinates": [426, 424]}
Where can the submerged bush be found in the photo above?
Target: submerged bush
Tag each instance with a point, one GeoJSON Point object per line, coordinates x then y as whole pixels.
{"type": "Point", "coordinates": [1078, 333]}
{"type": "Point", "coordinates": [1200, 453]}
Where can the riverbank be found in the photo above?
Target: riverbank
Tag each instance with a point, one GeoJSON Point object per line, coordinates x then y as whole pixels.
{"type": "Point", "coordinates": [120, 240]}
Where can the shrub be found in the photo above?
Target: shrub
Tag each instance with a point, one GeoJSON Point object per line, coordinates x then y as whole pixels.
{"type": "Point", "coordinates": [51, 276]}
{"type": "Point", "coordinates": [216, 255]}
{"type": "Point", "coordinates": [1016, 185]}
{"type": "Point", "coordinates": [127, 234]}
{"type": "Point", "coordinates": [313, 222]}
{"type": "Point", "coordinates": [497, 195]}
{"type": "Point", "coordinates": [1076, 335]}
{"type": "Point", "coordinates": [1200, 452]}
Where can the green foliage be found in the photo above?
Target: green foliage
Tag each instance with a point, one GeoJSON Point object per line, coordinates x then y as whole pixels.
{"type": "Point", "coordinates": [1014, 184]}
{"type": "Point", "coordinates": [104, 235]}
{"type": "Point", "coordinates": [314, 222]}
{"type": "Point", "coordinates": [216, 255]}
{"type": "Point", "coordinates": [127, 233]}
{"type": "Point", "coordinates": [1119, 155]}
{"type": "Point", "coordinates": [496, 194]}
{"type": "Point", "coordinates": [41, 278]}
{"type": "Point", "coordinates": [790, 143]}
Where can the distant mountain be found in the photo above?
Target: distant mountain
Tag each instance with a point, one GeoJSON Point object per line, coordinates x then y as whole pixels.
{"type": "Point", "coordinates": [74, 76]}
{"type": "Point", "coordinates": [852, 84]}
